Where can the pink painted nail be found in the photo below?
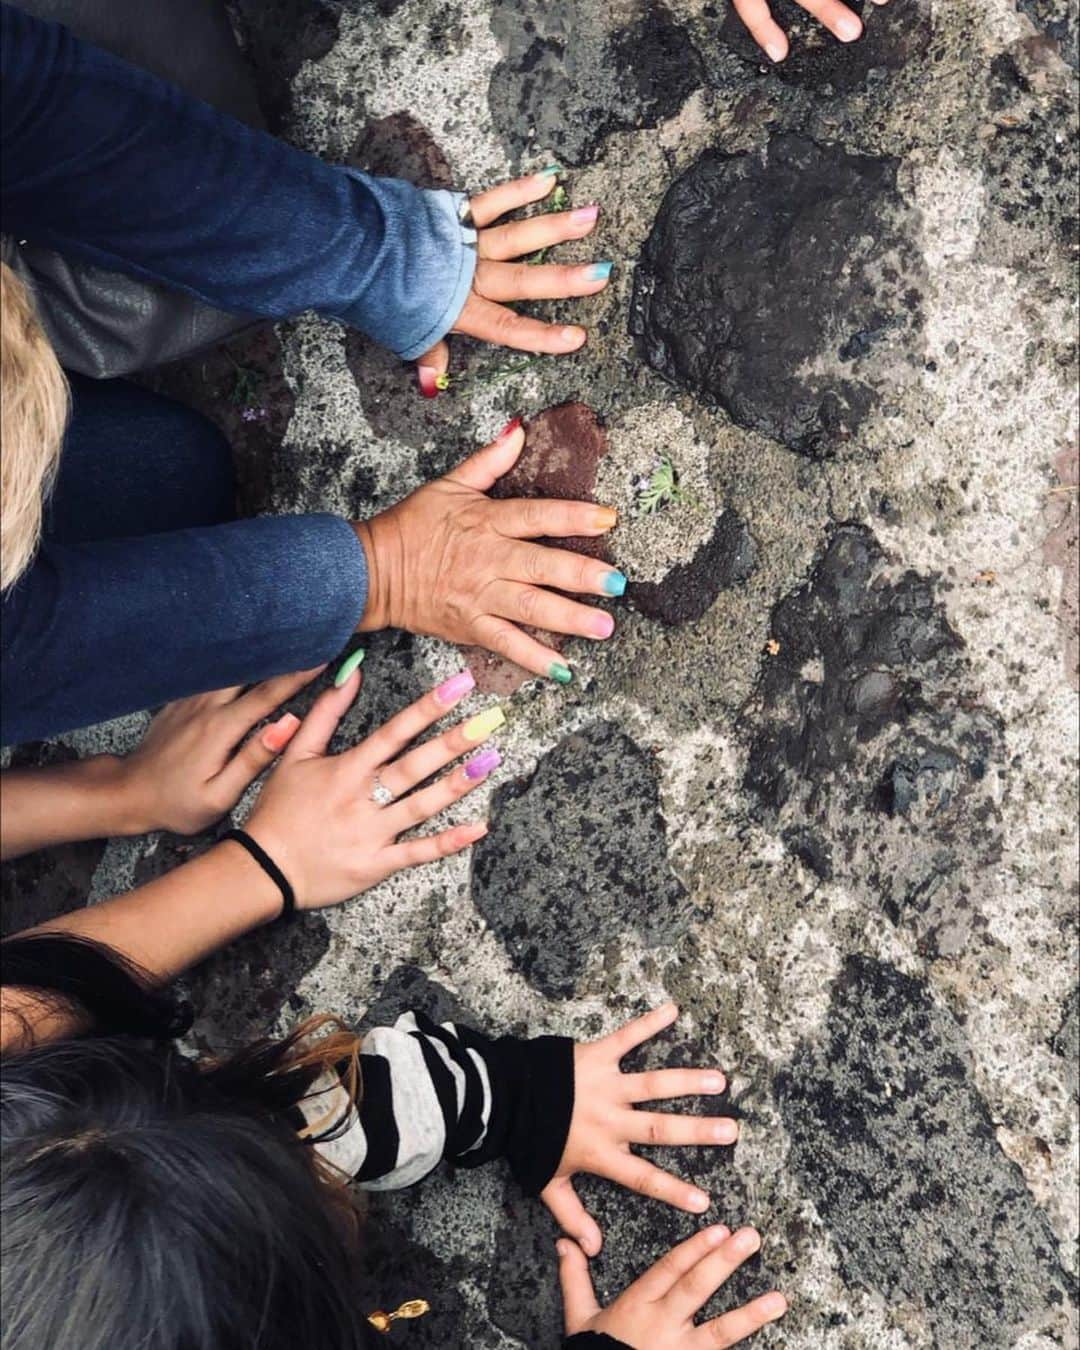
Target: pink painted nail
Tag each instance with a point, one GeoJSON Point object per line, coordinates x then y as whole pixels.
{"type": "Point", "coordinates": [585, 215]}
{"type": "Point", "coordinates": [454, 689]}
{"type": "Point", "coordinates": [603, 625]}
{"type": "Point", "coordinates": [510, 428]}
{"type": "Point", "coordinates": [487, 761]}
{"type": "Point", "coordinates": [427, 378]}
{"type": "Point", "coordinates": [278, 734]}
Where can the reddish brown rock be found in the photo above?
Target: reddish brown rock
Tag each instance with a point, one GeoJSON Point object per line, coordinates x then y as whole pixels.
{"type": "Point", "coordinates": [400, 146]}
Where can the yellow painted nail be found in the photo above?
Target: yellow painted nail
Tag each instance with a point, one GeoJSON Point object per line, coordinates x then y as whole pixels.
{"type": "Point", "coordinates": [481, 726]}
{"type": "Point", "coordinates": [606, 518]}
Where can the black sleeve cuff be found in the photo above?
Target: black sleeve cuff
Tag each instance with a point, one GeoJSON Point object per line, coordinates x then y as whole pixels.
{"type": "Point", "coordinates": [593, 1340]}
{"type": "Point", "coordinates": [543, 1105]}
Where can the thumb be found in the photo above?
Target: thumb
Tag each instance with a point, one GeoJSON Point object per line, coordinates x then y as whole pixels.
{"type": "Point", "coordinates": [482, 470]}
{"type": "Point", "coordinates": [579, 1299]}
{"type": "Point", "coordinates": [572, 1216]}
{"type": "Point", "coordinates": [430, 366]}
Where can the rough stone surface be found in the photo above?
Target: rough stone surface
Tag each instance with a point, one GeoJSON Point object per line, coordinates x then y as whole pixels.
{"type": "Point", "coordinates": [833, 815]}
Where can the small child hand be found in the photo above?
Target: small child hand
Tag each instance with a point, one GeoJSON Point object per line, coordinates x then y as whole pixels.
{"type": "Point", "coordinates": [657, 1311]}
{"type": "Point", "coordinates": [605, 1124]}
{"type": "Point", "coordinates": [842, 22]}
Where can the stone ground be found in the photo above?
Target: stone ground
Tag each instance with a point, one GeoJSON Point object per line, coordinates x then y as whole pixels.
{"type": "Point", "coordinates": [821, 787]}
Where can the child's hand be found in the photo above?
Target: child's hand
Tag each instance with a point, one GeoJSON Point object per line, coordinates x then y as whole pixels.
{"type": "Point", "coordinates": [657, 1311]}
{"type": "Point", "coordinates": [842, 22]}
{"type": "Point", "coordinates": [499, 279]}
{"type": "Point", "coordinates": [187, 771]}
{"type": "Point", "coordinates": [605, 1124]}
{"type": "Point", "coordinates": [319, 816]}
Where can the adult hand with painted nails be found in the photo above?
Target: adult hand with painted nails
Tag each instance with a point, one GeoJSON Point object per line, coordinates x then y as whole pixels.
{"type": "Point", "coordinates": [191, 767]}
{"type": "Point", "coordinates": [332, 823]}
{"type": "Point", "coordinates": [503, 277]}
{"type": "Point", "coordinates": [605, 1124]}
{"type": "Point", "coordinates": [841, 21]}
{"type": "Point", "coordinates": [450, 562]}
{"type": "Point", "coordinates": [657, 1311]}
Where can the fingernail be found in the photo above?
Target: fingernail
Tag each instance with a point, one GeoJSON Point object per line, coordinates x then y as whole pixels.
{"type": "Point", "coordinates": [482, 764]}
{"type": "Point", "coordinates": [559, 673]}
{"type": "Point", "coordinates": [352, 663]}
{"type": "Point", "coordinates": [615, 583]}
{"type": "Point", "coordinates": [747, 1240]}
{"type": "Point", "coordinates": [509, 429]}
{"type": "Point", "coordinates": [278, 734]}
{"type": "Point", "coordinates": [726, 1132]}
{"type": "Point", "coordinates": [606, 518]}
{"type": "Point", "coordinates": [603, 625]}
{"type": "Point", "coordinates": [475, 830]}
{"type": "Point", "coordinates": [573, 337]}
{"type": "Point", "coordinates": [848, 28]}
{"type": "Point", "coordinates": [712, 1082]}
{"type": "Point", "coordinates": [600, 271]}
{"type": "Point", "coordinates": [454, 689]}
{"type": "Point", "coordinates": [427, 378]}
{"type": "Point", "coordinates": [585, 215]}
{"type": "Point", "coordinates": [481, 726]}
{"type": "Point", "coordinates": [698, 1201]}
{"type": "Point", "coordinates": [774, 1305]}
{"type": "Point", "coordinates": [775, 51]}
{"type": "Point", "coordinates": [719, 1233]}
{"type": "Point", "coordinates": [550, 172]}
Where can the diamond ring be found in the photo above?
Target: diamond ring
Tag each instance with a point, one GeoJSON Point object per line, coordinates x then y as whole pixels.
{"type": "Point", "coordinates": [380, 794]}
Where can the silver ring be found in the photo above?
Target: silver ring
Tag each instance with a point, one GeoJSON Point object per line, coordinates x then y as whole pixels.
{"type": "Point", "coordinates": [380, 794]}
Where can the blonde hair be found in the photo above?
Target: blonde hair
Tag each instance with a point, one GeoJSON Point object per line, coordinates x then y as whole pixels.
{"type": "Point", "coordinates": [34, 404]}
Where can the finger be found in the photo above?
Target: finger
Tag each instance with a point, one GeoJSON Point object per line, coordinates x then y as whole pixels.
{"type": "Point", "coordinates": [415, 766]}
{"type": "Point", "coordinates": [641, 1029]}
{"type": "Point", "coordinates": [552, 518]}
{"type": "Point", "coordinates": [661, 1276]}
{"type": "Point", "coordinates": [658, 1085]}
{"type": "Point", "coordinates": [261, 700]}
{"type": "Point", "coordinates": [315, 731]}
{"type": "Point", "coordinates": [256, 754]}
{"type": "Point", "coordinates": [432, 847]}
{"type": "Point", "coordinates": [572, 1216]}
{"type": "Point", "coordinates": [544, 231]}
{"type": "Point", "coordinates": [553, 613]}
{"type": "Point", "coordinates": [842, 22]}
{"type": "Point", "coordinates": [420, 806]}
{"type": "Point", "coordinates": [430, 367]}
{"type": "Point", "coordinates": [498, 201]}
{"type": "Point", "coordinates": [638, 1174]}
{"type": "Point", "coordinates": [520, 281]}
{"type": "Point", "coordinates": [736, 1326]}
{"type": "Point", "coordinates": [763, 28]}
{"type": "Point", "coordinates": [694, 1289]}
{"type": "Point", "coordinates": [483, 469]}
{"type": "Point", "coordinates": [680, 1131]}
{"type": "Point", "coordinates": [505, 639]}
{"type": "Point", "coordinates": [579, 1299]}
{"type": "Point", "coordinates": [488, 322]}
{"type": "Point", "coordinates": [394, 736]}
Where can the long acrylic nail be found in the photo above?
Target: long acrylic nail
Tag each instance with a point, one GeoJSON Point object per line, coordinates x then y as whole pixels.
{"type": "Point", "coordinates": [427, 377]}
{"type": "Point", "coordinates": [615, 584]}
{"type": "Point", "coordinates": [278, 734]}
{"type": "Point", "coordinates": [454, 689]}
{"type": "Point", "coordinates": [351, 663]}
{"type": "Point", "coordinates": [481, 726]}
{"type": "Point", "coordinates": [487, 761]}
{"type": "Point", "coordinates": [559, 673]}
{"type": "Point", "coordinates": [603, 625]}
{"type": "Point", "coordinates": [600, 271]}
{"type": "Point", "coordinates": [584, 215]}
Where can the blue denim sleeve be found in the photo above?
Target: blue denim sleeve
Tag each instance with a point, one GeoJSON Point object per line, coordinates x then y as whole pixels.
{"type": "Point", "coordinates": [103, 161]}
{"type": "Point", "coordinates": [95, 630]}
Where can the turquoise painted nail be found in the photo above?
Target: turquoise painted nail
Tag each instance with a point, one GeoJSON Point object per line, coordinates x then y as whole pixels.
{"type": "Point", "coordinates": [352, 662]}
{"type": "Point", "coordinates": [550, 171]}
{"type": "Point", "coordinates": [600, 271]}
{"type": "Point", "coordinates": [559, 673]}
{"type": "Point", "coordinates": [615, 583]}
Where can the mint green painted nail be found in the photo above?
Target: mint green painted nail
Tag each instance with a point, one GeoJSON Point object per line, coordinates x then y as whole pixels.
{"type": "Point", "coordinates": [549, 171]}
{"type": "Point", "coordinates": [352, 662]}
{"type": "Point", "coordinates": [600, 271]}
{"type": "Point", "coordinates": [559, 673]}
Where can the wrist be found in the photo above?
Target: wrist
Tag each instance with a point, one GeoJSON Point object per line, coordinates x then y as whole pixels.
{"type": "Point", "coordinates": [380, 539]}
{"type": "Point", "coordinates": [258, 896]}
{"type": "Point", "coordinates": [117, 784]}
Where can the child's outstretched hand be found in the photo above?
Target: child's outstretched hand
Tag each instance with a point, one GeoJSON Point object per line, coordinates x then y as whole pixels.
{"type": "Point", "coordinates": [605, 1124]}
{"type": "Point", "coordinates": [842, 22]}
{"type": "Point", "coordinates": [502, 278]}
{"type": "Point", "coordinates": [657, 1311]}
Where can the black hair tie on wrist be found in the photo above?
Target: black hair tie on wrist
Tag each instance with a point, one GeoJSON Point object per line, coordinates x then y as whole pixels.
{"type": "Point", "coordinates": [270, 867]}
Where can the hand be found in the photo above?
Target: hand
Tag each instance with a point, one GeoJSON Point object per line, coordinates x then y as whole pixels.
{"type": "Point", "coordinates": [605, 1124]}
{"type": "Point", "coordinates": [187, 771]}
{"type": "Point", "coordinates": [316, 817]}
{"type": "Point", "coordinates": [450, 562]}
{"type": "Point", "coordinates": [657, 1311]}
{"type": "Point", "coordinates": [842, 22]}
{"type": "Point", "coordinates": [498, 279]}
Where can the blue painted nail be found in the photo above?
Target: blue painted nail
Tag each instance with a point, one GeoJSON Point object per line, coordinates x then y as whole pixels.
{"type": "Point", "coordinates": [615, 583]}
{"type": "Point", "coordinates": [600, 271]}
{"type": "Point", "coordinates": [352, 662]}
{"type": "Point", "coordinates": [550, 171]}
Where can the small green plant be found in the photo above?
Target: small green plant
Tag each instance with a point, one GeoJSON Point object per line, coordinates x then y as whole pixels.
{"type": "Point", "coordinates": [661, 488]}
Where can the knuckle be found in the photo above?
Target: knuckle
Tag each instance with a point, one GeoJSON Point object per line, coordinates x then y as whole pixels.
{"type": "Point", "coordinates": [654, 1131]}
{"type": "Point", "coordinates": [502, 640]}
{"type": "Point", "coordinates": [528, 604]}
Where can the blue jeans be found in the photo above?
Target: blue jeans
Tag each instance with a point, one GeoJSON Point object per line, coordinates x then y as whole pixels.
{"type": "Point", "coordinates": [146, 588]}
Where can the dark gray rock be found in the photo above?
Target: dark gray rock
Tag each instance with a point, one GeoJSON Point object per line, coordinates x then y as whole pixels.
{"type": "Point", "coordinates": [725, 559]}
{"type": "Point", "coordinates": [897, 1149]}
{"type": "Point", "coordinates": [279, 36]}
{"type": "Point", "coordinates": [773, 285]}
{"type": "Point", "coordinates": [576, 856]}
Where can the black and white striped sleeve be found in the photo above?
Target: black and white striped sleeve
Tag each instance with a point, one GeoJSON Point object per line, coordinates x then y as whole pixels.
{"type": "Point", "coordinates": [430, 1092]}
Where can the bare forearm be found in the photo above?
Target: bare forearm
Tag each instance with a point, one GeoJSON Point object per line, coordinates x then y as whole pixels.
{"type": "Point", "coordinates": [61, 803]}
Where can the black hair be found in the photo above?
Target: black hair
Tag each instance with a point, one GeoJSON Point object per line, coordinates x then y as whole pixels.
{"type": "Point", "coordinates": [152, 1202]}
